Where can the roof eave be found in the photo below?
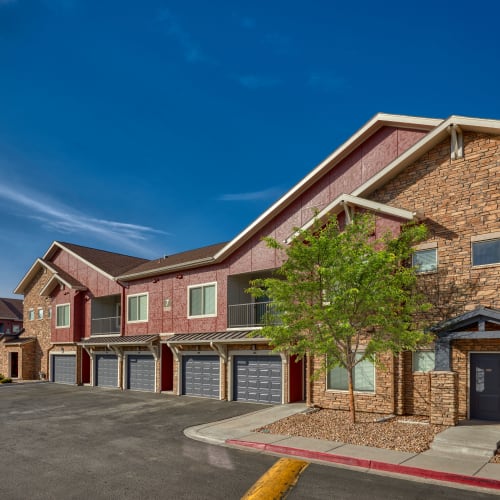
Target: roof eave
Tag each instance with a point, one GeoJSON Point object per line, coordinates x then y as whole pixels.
{"type": "Point", "coordinates": [168, 269]}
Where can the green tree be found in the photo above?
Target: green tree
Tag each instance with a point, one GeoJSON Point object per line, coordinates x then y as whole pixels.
{"type": "Point", "coordinates": [344, 295]}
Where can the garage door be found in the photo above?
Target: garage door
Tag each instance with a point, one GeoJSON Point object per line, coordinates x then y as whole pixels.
{"type": "Point", "coordinates": [106, 370]}
{"type": "Point", "coordinates": [140, 373]}
{"type": "Point", "coordinates": [201, 376]}
{"type": "Point", "coordinates": [257, 379]}
{"type": "Point", "coordinates": [64, 369]}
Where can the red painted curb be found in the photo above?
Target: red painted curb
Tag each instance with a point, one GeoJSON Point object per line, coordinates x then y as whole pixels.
{"type": "Point", "coordinates": [481, 482]}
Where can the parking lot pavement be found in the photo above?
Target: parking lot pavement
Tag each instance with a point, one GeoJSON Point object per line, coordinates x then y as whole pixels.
{"type": "Point", "coordinates": [83, 442]}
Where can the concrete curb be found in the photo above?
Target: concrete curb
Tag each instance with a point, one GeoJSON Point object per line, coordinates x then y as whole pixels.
{"type": "Point", "coordinates": [371, 464]}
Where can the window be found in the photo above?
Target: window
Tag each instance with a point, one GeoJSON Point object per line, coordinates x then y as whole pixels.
{"type": "Point", "coordinates": [364, 377]}
{"type": "Point", "coordinates": [62, 316]}
{"type": "Point", "coordinates": [423, 361]}
{"type": "Point", "coordinates": [16, 328]}
{"type": "Point", "coordinates": [485, 252]}
{"type": "Point", "coordinates": [31, 314]}
{"type": "Point", "coordinates": [49, 313]}
{"type": "Point", "coordinates": [202, 300]}
{"type": "Point", "coordinates": [39, 313]}
{"type": "Point", "coordinates": [425, 261]}
{"type": "Point", "coordinates": [137, 308]}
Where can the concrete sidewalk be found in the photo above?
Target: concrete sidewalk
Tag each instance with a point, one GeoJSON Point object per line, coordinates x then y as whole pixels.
{"type": "Point", "coordinates": [460, 468]}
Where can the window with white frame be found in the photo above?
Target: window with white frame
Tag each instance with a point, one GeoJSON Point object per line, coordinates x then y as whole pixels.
{"type": "Point", "coordinates": [202, 300]}
{"type": "Point", "coordinates": [423, 361]}
{"type": "Point", "coordinates": [16, 328]}
{"type": "Point", "coordinates": [363, 377]}
{"type": "Point", "coordinates": [425, 260]}
{"type": "Point", "coordinates": [39, 313]}
{"type": "Point", "coordinates": [49, 313]}
{"type": "Point", "coordinates": [486, 252]}
{"type": "Point", "coordinates": [31, 314]}
{"type": "Point", "coordinates": [62, 316]}
{"type": "Point", "coordinates": [137, 307]}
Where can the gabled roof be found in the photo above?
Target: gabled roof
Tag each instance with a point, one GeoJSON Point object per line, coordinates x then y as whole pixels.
{"type": "Point", "coordinates": [109, 264]}
{"type": "Point", "coordinates": [60, 277]}
{"type": "Point", "coordinates": [220, 252]}
{"type": "Point", "coordinates": [11, 309]}
{"type": "Point", "coordinates": [190, 258]}
{"type": "Point", "coordinates": [478, 316]}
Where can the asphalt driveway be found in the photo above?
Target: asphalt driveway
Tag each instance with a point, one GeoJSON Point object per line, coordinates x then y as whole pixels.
{"type": "Point", "coordinates": [82, 442]}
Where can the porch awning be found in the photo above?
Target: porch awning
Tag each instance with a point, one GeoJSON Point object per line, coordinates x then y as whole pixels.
{"type": "Point", "coordinates": [226, 337]}
{"type": "Point", "coordinates": [135, 340]}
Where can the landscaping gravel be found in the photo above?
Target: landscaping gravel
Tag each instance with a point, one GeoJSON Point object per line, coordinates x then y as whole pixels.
{"type": "Point", "coordinates": [412, 434]}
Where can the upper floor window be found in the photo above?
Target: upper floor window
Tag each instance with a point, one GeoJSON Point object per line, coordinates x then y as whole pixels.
{"type": "Point", "coordinates": [16, 328]}
{"type": "Point", "coordinates": [202, 300]}
{"type": "Point", "coordinates": [425, 260]}
{"type": "Point", "coordinates": [31, 314]}
{"type": "Point", "coordinates": [363, 377]}
{"type": "Point", "coordinates": [137, 307]}
{"type": "Point", "coordinates": [62, 316]}
{"type": "Point", "coordinates": [486, 252]}
{"type": "Point", "coordinates": [423, 361]}
{"type": "Point", "coordinates": [49, 313]}
{"type": "Point", "coordinates": [39, 313]}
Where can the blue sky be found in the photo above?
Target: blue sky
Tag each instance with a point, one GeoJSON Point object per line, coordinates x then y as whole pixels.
{"type": "Point", "coordinates": [149, 128]}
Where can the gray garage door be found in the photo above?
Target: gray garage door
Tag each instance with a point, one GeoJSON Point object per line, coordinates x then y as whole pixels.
{"type": "Point", "coordinates": [106, 370]}
{"type": "Point", "coordinates": [257, 379]}
{"type": "Point", "coordinates": [64, 369]}
{"type": "Point", "coordinates": [201, 376]}
{"type": "Point", "coordinates": [140, 373]}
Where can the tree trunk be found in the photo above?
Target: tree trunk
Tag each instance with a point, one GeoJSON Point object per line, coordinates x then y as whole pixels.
{"type": "Point", "coordinates": [352, 404]}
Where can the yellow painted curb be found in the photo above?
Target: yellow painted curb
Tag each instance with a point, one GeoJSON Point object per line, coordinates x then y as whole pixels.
{"type": "Point", "coordinates": [277, 480]}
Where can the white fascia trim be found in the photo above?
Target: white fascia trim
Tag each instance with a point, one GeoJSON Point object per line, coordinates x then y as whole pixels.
{"type": "Point", "coordinates": [47, 289]}
{"type": "Point", "coordinates": [337, 205]}
{"type": "Point", "coordinates": [86, 262]}
{"type": "Point", "coordinates": [163, 270]}
{"type": "Point", "coordinates": [377, 122]}
{"type": "Point", "coordinates": [431, 139]}
{"type": "Point", "coordinates": [28, 277]}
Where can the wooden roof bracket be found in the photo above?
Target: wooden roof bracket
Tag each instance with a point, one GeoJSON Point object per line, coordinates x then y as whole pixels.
{"type": "Point", "coordinates": [220, 350]}
{"type": "Point", "coordinates": [175, 351]}
{"type": "Point", "coordinates": [457, 141]}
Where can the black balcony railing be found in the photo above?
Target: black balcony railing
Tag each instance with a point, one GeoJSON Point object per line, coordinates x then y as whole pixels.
{"type": "Point", "coordinates": [106, 326]}
{"type": "Point", "coordinates": [251, 315]}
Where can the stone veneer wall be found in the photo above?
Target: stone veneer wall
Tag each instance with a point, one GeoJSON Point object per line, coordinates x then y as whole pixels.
{"type": "Point", "coordinates": [444, 395]}
{"type": "Point", "coordinates": [40, 329]}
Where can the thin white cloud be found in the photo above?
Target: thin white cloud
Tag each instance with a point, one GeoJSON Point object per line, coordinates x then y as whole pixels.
{"type": "Point", "coordinates": [265, 194]}
{"type": "Point", "coordinates": [190, 49]}
{"type": "Point", "coordinates": [60, 218]}
{"type": "Point", "coordinates": [257, 81]}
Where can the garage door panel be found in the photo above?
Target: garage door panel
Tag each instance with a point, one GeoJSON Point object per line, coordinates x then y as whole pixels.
{"type": "Point", "coordinates": [64, 369]}
{"type": "Point", "coordinates": [257, 379]}
{"type": "Point", "coordinates": [201, 376]}
{"type": "Point", "coordinates": [141, 373]}
{"type": "Point", "coordinates": [106, 370]}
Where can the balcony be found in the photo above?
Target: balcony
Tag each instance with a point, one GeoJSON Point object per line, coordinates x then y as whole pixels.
{"type": "Point", "coordinates": [106, 326]}
{"type": "Point", "coordinates": [250, 315]}
{"type": "Point", "coordinates": [106, 315]}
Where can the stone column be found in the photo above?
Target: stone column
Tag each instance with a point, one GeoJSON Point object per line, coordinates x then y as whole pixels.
{"type": "Point", "coordinates": [444, 398]}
